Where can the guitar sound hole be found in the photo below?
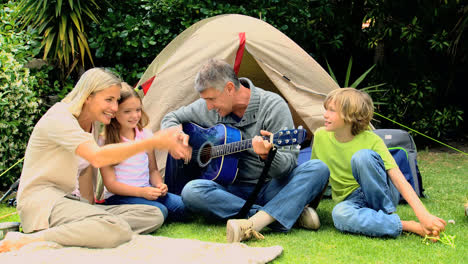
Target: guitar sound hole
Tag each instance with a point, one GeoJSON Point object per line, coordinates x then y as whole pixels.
{"type": "Point", "coordinates": [205, 155]}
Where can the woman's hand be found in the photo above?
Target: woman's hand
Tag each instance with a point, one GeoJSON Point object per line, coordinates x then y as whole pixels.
{"type": "Point", "coordinates": [176, 142]}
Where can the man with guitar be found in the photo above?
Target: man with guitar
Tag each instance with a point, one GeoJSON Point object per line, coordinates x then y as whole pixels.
{"type": "Point", "coordinates": [228, 102]}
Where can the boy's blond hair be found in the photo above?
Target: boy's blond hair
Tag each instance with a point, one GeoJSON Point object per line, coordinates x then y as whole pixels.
{"type": "Point", "coordinates": [354, 106]}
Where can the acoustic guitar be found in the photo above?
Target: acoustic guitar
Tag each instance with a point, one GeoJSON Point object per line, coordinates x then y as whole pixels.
{"type": "Point", "coordinates": [214, 149]}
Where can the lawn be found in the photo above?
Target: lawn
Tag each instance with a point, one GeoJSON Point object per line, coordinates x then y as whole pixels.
{"type": "Point", "coordinates": [445, 180]}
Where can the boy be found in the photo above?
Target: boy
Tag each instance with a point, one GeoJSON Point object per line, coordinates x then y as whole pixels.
{"type": "Point", "coordinates": [364, 177]}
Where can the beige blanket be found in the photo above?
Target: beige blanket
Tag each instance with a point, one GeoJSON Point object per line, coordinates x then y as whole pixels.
{"type": "Point", "coordinates": [144, 249]}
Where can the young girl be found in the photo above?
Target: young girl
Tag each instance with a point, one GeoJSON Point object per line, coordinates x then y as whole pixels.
{"type": "Point", "coordinates": [364, 177]}
{"type": "Point", "coordinates": [137, 179]}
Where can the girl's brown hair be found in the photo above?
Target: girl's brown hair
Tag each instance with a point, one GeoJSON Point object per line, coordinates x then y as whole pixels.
{"type": "Point", "coordinates": [112, 130]}
{"type": "Point", "coordinates": [354, 106]}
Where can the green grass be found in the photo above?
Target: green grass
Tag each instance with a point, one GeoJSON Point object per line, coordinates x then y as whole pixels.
{"type": "Point", "coordinates": [445, 180]}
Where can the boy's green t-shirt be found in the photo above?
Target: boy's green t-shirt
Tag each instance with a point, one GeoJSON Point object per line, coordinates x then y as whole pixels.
{"type": "Point", "coordinates": [338, 155]}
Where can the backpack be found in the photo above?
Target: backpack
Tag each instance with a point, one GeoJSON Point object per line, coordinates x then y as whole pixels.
{"type": "Point", "coordinates": [403, 149]}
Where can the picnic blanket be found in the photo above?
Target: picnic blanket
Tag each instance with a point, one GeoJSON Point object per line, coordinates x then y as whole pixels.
{"type": "Point", "coordinates": [144, 249]}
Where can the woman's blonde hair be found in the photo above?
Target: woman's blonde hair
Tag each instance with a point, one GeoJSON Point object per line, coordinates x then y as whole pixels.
{"type": "Point", "coordinates": [354, 106]}
{"type": "Point", "coordinates": [91, 82]}
{"type": "Point", "coordinates": [112, 130]}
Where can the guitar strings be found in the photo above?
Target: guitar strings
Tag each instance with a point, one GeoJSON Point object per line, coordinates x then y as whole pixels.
{"type": "Point", "coordinates": [205, 151]}
{"type": "Point", "coordinates": [224, 147]}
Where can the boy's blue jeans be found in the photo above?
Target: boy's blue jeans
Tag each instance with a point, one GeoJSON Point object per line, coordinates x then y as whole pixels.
{"type": "Point", "coordinates": [369, 210]}
{"type": "Point", "coordinates": [284, 199]}
{"type": "Point", "coordinates": [171, 205]}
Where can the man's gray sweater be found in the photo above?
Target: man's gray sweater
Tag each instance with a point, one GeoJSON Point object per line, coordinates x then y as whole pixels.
{"type": "Point", "coordinates": [266, 111]}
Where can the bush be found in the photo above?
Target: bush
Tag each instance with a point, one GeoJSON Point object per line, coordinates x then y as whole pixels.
{"type": "Point", "coordinates": [421, 57]}
{"type": "Point", "coordinates": [19, 106]}
{"type": "Point", "coordinates": [19, 109]}
{"type": "Point", "coordinates": [49, 89]}
{"type": "Point", "coordinates": [410, 107]}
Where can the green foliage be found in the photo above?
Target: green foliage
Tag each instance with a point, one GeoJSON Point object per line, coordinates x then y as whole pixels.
{"type": "Point", "coordinates": [24, 44]}
{"type": "Point", "coordinates": [63, 27]}
{"type": "Point", "coordinates": [414, 48]}
{"type": "Point", "coordinates": [409, 106]}
{"type": "Point", "coordinates": [439, 42]}
{"type": "Point", "coordinates": [19, 105]}
{"type": "Point", "coordinates": [18, 111]}
{"type": "Point", "coordinates": [49, 89]}
{"type": "Point", "coordinates": [359, 80]}
{"type": "Point", "coordinates": [412, 31]}
{"type": "Point", "coordinates": [134, 32]}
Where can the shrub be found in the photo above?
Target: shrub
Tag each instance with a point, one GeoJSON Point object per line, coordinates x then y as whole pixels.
{"type": "Point", "coordinates": [19, 106]}
{"type": "Point", "coordinates": [410, 107]}
{"type": "Point", "coordinates": [49, 89]}
{"type": "Point", "coordinates": [18, 111]}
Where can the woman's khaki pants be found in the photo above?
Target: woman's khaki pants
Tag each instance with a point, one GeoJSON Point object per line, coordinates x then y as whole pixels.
{"type": "Point", "coordinates": [78, 223]}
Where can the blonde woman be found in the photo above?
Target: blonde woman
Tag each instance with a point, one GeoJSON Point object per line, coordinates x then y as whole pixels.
{"type": "Point", "coordinates": [63, 147]}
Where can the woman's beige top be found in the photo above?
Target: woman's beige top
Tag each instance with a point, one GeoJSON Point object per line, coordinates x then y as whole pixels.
{"type": "Point", "coordinates": [50, 166]}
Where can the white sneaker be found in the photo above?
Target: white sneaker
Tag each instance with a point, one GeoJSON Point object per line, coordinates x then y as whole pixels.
{"type": "Point", "coordinates": [309, 219]}
{"type": "Point", "coordinates": [238, 230]}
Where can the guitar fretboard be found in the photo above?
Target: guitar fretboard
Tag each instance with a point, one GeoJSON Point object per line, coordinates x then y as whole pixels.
{"type": "Point", "coordinates": [230, 148]}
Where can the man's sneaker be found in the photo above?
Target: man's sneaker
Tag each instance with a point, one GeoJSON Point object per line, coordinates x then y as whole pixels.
{"type": "Point", "coordinates": [238, 230]}
{"type": "Point", "coordinates": [309, 219]}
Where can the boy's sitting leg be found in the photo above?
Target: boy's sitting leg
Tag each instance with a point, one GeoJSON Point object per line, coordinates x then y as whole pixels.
{"type": "Point", "coordinates": [369, 209]}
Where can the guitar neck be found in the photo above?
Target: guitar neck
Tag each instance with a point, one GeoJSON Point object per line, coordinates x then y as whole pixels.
{"type": "Point", "coordinates": [231, 148]}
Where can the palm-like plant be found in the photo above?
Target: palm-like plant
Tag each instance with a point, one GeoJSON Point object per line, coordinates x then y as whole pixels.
{"type": "Point", "coordinates": [62, 26]}
{"type": "Point", "coordinates": [355, 84]}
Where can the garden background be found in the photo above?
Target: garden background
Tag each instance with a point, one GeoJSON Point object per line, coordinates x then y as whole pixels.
{"type": "Point", "coordinates": [416, 51]}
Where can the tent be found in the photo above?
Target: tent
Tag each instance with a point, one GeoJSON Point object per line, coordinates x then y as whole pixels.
{"type": "Point", "coordinates": [256, 50]}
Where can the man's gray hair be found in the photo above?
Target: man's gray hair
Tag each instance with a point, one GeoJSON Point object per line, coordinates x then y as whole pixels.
{"type": "Point", "coordinates": [215, 74]}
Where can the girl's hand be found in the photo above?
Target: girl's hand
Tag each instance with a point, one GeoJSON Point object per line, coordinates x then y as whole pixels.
{"type": "Point", "coordinates": [163, 188]}
{"type": "Point", "coordinates": [150, 193]}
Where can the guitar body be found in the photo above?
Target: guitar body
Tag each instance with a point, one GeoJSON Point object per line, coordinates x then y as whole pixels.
{"type": "Point", "coordinates": [222, 169]}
